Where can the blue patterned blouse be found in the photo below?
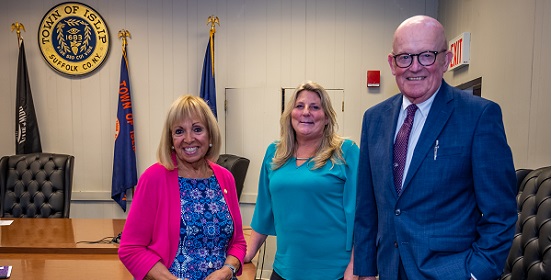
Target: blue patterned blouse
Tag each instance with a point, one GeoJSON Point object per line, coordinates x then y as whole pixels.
{"type": "Point", "coordinates": [206, 228]}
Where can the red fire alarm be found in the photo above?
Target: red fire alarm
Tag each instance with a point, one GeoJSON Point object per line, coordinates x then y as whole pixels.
{"type": "Point", "coordinates": [373, 78]}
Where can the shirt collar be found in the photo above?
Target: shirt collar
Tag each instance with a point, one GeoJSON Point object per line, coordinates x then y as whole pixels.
{"type": "Point", "coordinates": [423, 107]}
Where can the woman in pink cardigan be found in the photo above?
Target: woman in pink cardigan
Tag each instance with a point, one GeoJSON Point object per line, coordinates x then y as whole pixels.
{"type": "Point", "coordinates": [184, 221]}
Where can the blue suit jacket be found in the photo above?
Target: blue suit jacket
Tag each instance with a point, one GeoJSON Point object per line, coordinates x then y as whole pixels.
{"type": "Point", "coordinates": [457, 212]}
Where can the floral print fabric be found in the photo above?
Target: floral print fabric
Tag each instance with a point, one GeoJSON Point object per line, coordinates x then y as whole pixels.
{"type": "Point", "coordinates": [206, 228]}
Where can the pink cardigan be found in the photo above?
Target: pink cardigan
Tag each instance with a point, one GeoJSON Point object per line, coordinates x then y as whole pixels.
{"type": "Point", "coordinates": [152, 229]}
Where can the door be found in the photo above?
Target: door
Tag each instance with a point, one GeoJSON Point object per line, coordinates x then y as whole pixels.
{"type": "Point", "coordinates": [251, 124]}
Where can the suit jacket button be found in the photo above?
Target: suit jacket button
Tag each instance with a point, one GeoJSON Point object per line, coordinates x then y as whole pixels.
{"type": "Point", "coordinates": [397, 212]}
{"type": "Point", "coordinates": [396, 244]}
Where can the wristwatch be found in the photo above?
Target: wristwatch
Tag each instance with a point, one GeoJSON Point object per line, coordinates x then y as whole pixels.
{"type": "Point", "coordinates": [233, 268]}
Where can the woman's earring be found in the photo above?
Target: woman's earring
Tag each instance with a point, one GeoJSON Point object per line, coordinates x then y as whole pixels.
{"type": "Point", "coordinates": [172, 147]}
{"type": "Point", "coordinates": [210, 145]}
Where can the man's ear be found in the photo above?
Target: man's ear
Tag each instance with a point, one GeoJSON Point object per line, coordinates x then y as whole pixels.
{"type": "Point", "coordinates": [448, 59]}
{"type": "Point", "coordinates": [391, 62]}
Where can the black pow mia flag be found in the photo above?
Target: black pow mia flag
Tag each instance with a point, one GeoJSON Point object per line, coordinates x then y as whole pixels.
{"type": "Point", "coordinates": [27, 137]}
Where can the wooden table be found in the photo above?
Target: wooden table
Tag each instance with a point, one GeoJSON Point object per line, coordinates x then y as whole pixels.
{"type": "Point", "coordinates": [58, 249]}
{"type": "Point", "coordinates": [65, 266]}
{"type": "Point", "coordinates": [59, 236]}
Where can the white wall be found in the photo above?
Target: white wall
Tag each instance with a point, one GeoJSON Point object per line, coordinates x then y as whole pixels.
{"type": "Point", "coordinates": [510, 50]}
{"type": "Point", "coordinates": [265, 44]}
{"type": "Point", "coordinates": [259, 44]}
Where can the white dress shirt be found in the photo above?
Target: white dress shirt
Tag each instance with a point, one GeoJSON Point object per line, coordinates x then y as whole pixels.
{"type": "Point", "coordinates": [419, 121]}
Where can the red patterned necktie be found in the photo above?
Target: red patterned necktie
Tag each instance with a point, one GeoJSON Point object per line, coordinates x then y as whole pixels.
{"type": "Point", "coordinates": [401, 146]}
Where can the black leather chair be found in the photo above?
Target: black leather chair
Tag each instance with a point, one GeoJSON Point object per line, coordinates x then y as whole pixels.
{"type": "Point", "coordinates": [529, 257]}
{"type": "Point", "coordinates": [237, 166]}
{"type": "Point", "coordinates": [36, 185]}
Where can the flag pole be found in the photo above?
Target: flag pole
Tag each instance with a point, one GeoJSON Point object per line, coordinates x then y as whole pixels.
{"type": "Point", "coordinates": [27, 135]}
{"type": "Point", "coordinates": [212, 20]}
{"type": "Point", "coordinates": [123, 34]}
{"type": "Point", "coordinates": [17, 27]}
{"type": "Point", "coordinates": [124, 175]}
{"type": "Point", "coordinates": [207, 88]}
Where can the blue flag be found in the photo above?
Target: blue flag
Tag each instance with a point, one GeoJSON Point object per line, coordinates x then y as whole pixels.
{"type": "Point", "coordinates": [27, 136]}
{"type": "Point", "coordinates": [208, 90]}
{"type": "Point", "coordinates": [124, 159]}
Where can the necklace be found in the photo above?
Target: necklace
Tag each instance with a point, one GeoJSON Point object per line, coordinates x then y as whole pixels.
{"type": "Point", "coordinates": [307, 151]}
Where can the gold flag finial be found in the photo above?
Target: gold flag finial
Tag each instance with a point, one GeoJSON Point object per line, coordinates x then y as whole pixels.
{"type": "Point", "coordinates": [123, 33]}
{"type": "Point", "coordinates": [213, 20]}
{"type": "Point", "coordinates": [17, 27]}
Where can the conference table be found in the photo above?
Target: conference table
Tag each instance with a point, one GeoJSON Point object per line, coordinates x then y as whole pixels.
{"type": "Point", "coordinates": [41, 248]}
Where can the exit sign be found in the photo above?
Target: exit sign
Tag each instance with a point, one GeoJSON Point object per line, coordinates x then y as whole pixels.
{"type": "Point", "coordinates": [460, 48]}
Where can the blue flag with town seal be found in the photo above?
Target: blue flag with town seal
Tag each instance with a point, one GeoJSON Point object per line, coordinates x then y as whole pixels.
{"type": "Point", "coordinates": [124, 158]}
{"type": "Point", "coordinates": [207, 90]}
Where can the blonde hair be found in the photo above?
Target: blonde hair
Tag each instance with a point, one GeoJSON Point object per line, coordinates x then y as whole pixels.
{"type": "Point", "coordinates": [186, 107]}
{"type": "Point", "coordinates": [330, 146]}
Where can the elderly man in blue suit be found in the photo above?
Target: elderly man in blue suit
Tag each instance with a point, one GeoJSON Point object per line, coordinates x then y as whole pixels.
{"type": "Point", "coordinates": [437, 186]}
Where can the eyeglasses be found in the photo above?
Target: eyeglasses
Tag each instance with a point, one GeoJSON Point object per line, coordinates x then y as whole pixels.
{"type": "Point", "coordinates": [427, 58]}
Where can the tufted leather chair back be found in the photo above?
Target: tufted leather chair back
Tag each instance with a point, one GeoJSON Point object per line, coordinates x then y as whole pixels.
{"type": "Point", "coordinates": [36, 185]}
{"type": "Point", "coordinates": [529, 257]}
{"type": "Point", "coordinates": [237, 166]}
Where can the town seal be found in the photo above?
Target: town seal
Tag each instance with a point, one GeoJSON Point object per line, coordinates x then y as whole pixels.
{"type": "Point", "coordinates": [73, 39]}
